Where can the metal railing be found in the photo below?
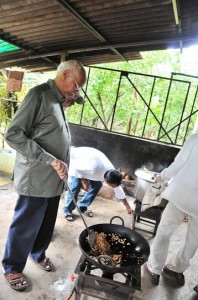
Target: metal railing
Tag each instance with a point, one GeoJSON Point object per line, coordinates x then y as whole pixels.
{"type": "Point", "coordinates": [135, 104]}
{"type": "Point", "coordinates": [152, 107]}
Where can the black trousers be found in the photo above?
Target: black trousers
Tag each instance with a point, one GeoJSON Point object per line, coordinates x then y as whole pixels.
{"type": "Point", "coordinates": [30, 232]}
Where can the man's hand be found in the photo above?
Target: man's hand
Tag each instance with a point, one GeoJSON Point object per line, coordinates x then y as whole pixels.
{"type": "Point", "coordinates": [158, 179]}
{"type": "Point", "coordinates": [129, 210]}
{"type": "Point", "coordinates": [60, 167]}
{"type": "Point", "coordinates": [127, 206]}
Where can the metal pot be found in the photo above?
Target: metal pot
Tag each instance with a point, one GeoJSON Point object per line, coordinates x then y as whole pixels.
{"type": "Point", "coordinates": [135, 250]}
{"type": "Point", "coordinates": [144, 179]}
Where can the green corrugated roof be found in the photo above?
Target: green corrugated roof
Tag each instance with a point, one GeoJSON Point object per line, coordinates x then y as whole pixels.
{"type": "Point", "coordinates": [6, 47]}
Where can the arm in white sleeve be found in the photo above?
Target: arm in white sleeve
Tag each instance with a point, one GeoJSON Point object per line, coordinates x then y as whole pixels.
{"type": "Point", "coordinates": [119, 193]}
{"type": "Point", "coordinates": [180, 160]}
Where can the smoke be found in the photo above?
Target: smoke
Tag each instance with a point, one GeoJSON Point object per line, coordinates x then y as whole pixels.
{"type": "Point", "coordinates": [154, 167]}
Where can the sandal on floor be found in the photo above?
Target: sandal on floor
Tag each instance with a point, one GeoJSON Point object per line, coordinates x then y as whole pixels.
{"type": "Point", "coordinates": [46, 264]}
{"type": "Point", "coordinates": [88, 213]}
{"type": "Point", "coordinates": [69, 218]}
{"type": "Point", "coordinates": [16, 281]}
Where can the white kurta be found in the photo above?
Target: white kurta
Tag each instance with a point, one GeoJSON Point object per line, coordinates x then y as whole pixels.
{"type": "Point", "coordinates": [183, 189]}
{"type": "Point", "coordinates": [92, 164]}
{"type": "Point", "coordinates": [182, 193]}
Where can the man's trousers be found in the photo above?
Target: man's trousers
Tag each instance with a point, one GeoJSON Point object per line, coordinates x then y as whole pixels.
{"type": "Point", "coordinates": [179, 261]}
{"type": "Point", "coordinates": [30, 232]}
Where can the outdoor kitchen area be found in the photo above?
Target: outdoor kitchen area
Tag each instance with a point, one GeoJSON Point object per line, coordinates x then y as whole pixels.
{"type": "Point", "coordinates": [76, 274]}
{"type": "Point", "coordinates": [72, 269]}
{"type": "Point", "coordinates": [79, 276]}
{"type": "Point", "coordinates": [98, 150]}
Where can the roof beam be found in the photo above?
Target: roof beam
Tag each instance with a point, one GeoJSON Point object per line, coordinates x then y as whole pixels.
{"type": "Point", "coordinates": [176, 11]}
{"type": "Point", "coordinates": [67, 6]}
{"type": "Point", "coordinates": [130, 45]}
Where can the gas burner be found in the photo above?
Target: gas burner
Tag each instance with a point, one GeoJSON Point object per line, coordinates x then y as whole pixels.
{"type": "Point", "coordinates": [105, 286]}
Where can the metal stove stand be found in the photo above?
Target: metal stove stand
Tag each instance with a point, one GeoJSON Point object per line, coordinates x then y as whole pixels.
{"type": "Point", "coordinates": [105, 287]}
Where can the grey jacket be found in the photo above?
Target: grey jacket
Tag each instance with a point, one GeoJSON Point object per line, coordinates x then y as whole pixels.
{"type": "Point", "coordinates": [39, 133]}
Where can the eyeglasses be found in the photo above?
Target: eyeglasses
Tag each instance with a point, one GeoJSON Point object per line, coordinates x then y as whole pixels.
{"type": "Point", "coordinates": [76, 95]}
{"type": "Point", "coordinates": [78, 88]}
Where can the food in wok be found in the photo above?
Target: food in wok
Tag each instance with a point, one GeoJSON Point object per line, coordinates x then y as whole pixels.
{"type": "Point", "coordinates": [111, 246]}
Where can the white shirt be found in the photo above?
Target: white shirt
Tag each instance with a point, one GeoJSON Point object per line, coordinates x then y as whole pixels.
{"type": "Point", "coordinates": [92, 164]}
{"type": "Point", "coordinates": [183, 189]}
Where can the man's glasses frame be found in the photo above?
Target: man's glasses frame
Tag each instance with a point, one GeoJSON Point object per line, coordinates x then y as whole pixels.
{"type": "Point", "coordinates": [78, 88]}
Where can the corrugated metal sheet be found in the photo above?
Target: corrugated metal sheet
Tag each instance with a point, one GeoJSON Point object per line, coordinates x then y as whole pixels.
{"type": "Point", "coordinates": [92, 31]}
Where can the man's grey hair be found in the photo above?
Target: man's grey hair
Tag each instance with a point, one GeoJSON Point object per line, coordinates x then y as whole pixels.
{"type": "Point", "coordinates": [71, 65]}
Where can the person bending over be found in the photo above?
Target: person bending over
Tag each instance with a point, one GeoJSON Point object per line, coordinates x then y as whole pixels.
{"type": "Point", "coordinates": [88, 168]}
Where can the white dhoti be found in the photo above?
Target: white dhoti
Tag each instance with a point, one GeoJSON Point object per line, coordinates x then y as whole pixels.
{"type": "Point", "coordinates": [172, 217]}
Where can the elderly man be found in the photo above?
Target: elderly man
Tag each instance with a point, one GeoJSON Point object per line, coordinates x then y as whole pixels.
{"type": "Point", "coordinates": [88, 168]}
{"type": "Point", "coordinates": [40, 134]}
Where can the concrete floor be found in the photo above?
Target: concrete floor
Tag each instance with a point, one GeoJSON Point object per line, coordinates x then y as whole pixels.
{"type": "Point", "coordinates": [65, 253]}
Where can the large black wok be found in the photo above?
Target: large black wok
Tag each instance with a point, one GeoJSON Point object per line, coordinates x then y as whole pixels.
{"type": "Point", "coordinates": [135, 250]}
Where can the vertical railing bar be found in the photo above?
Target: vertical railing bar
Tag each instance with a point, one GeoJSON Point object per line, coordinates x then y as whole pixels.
{"type": "Point", "coordinates": [95, 110]}
{"type": "Point", "coordinates": [193, 104]}
{"type": "Point", "coordinates": [165, 105]}
{"type": "Point", "coordinates": [87, 82]}
{"type": "Point", "coordinates": [149, 106]}
{"type": "Point", "coordinates": [115, 104]}
{"type": "Point", "coordinates": [183, 109]}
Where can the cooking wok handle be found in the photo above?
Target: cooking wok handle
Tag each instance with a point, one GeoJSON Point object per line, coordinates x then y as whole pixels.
{"type": "Point", "coordinates": [117, 218]}
{"type": "Point", "coordinates": [75, 202]}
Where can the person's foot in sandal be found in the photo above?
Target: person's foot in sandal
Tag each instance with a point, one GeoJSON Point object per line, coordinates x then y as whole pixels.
{"type": "Point", "coordinates": [46, 264]}
{"type": "Point", "coordinates": [69, 217]}
{"type": "Point", "coordinates": [16, 281]}
{"type": "Point", "coordinates": [88, 213]}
